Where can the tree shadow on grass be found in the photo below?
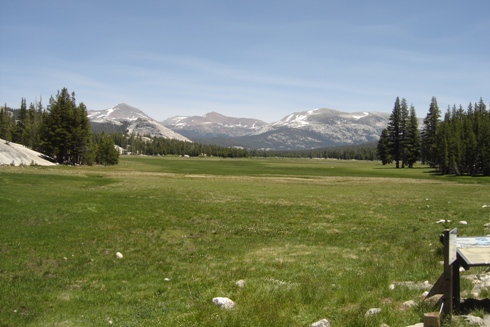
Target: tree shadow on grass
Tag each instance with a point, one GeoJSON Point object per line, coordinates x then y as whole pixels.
{"type": "Point", "coordinates": [469, 305]}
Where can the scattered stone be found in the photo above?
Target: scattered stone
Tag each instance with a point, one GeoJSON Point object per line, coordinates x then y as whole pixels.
{"type": "Point", "coordinates": [372, 311]}
{"type": "Point", "coordinates": [414, 285]}
{"type": "Point", "coordinates": [321, 323]}
{"type": "Point", "coordinates": [461, 269]}
{"type": "Point", "coordinates": [472, 320]}
{"type": "Point", "coordinates": [443, 221]}
{"type": "Point", "coordinates": [166, 279]}
{"type": "Point", "coordinates": [434, 300]}
{"type": "Point", "coordinates": [484, 206]}
{"type": "Point", "coordinates": [463, 222]}
{"type": "Point", "coordinates": [391, 287]}
{"type": "Point", "coordinates": [486, 225]}
{"type": "Point", "coordinates": [119, 255]}
{"type": "Point", "coordinates": [384, 325]}
{"type": "Point", "coordinates": [240, 283]}
{"type": "Point", "coordinates": [409, 304]}
{"type": "Point", "coordinates": [224, 302]}
{"type": "Point", "coordinates": [420, 324]}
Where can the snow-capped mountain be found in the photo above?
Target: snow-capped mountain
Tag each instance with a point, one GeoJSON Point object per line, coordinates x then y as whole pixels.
{"type": "Point", "coordinates": [213, 124]}
{"type": "Point", "coordinates": [118, 114]}
{"type": "Point", "coordinates": [132, 120]}
{"type": "Point", "coordinates": [322, 128]}
{"type": "Point", "coordinates": [298, 131]}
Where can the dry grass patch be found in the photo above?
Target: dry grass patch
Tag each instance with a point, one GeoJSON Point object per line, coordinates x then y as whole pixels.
{"type": "Point", "coordinates": [297, 253]}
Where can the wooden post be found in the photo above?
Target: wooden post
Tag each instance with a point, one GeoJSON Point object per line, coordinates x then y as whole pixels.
{"type": "Point", "coordinates": [456, 285]}
{"type": "Point", "coordinates": [431, 319]}
{"type": "Point", "coordinates": [449, 259]}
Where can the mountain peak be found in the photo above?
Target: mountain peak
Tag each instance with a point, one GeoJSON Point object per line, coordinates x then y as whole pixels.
{"type": "Point", "coordinates": [120, 112]}
{"type": "Point", "coordinates": [135, 119]}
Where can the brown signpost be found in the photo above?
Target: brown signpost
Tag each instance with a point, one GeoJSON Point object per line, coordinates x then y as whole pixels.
{"type": "Point", "coordinates": [458, 251]}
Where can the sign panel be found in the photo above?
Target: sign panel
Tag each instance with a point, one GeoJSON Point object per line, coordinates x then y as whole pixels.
{"type": "Point", "coordinates": [475, 251]}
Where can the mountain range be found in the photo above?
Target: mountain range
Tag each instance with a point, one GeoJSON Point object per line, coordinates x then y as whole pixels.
{"type": "Point", "coordinates": [303, 130]}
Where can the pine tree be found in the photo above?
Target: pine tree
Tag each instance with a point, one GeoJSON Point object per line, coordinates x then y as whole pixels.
{"type": "Point", "coordinates": [37, 115]}
{"type": "Point", "coordinates": [395, 133]}
{"type": "Point", "coordinates": [27, 122]}
{"type": "Point", "coordinates": [106, 153]}
{"type": "Point", "coordinates": [20, 123]}
{"type": "Point", "coordinates": [456, 141]}
{"type": "Point", "coordinates": [65, 132]}
{"type": "Point", "coordinates": [80, 133]}
{"type": "Point", "coordinates": [383, 150]}
{"type": "Point", "coordinates": [483, 137]}
{"type": "Point", "coordinates": [5, 124]}
{"type": "Point", "coordinates": [470, 141]}
{"type": "Point", "coordinates": [431, 121]}
{"type": "Point", "coordinates": [412, 145]}
{"type": "Point", "coordinates": [441, 149]}
{"type": "Point", "coordinates": [404, 132]}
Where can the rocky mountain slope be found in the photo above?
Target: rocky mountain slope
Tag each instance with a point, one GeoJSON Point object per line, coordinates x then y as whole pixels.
{"type": "Point", "coordinates": [298, 131]}
{"type": "Point", "coordinates": [212, 125]}
{"type": "Point", "coordinates": [130, 120]}
{"type": "Point", "coordinates": [321, 128]}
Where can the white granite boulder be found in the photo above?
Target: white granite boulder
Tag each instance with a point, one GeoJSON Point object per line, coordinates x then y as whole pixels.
{"type": "Point", "coordinates": [224, 302]}
{"type": "Point", "coordinates": [321, 323]}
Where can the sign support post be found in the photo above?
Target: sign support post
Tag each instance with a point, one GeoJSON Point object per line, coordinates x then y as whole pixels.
{"type": "Point", "coordinates": [451, 272]}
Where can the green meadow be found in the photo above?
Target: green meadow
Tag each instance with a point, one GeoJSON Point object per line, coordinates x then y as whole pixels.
{"type": "Point", "coordinates": [310, 238]}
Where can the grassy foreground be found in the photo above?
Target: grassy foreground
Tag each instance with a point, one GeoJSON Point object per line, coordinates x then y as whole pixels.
{"type": "Point", "coordinates": [312, 239]}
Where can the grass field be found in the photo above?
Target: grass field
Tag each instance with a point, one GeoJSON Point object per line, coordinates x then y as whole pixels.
{"type": "Point", "coordinates": [312, 239]}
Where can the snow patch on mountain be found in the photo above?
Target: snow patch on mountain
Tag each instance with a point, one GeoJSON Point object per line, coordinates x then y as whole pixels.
{"type": "Point", "coordinates": [212, 125]}
{"type": "Point", "coordinates": [320, 127]}
{"type": "Point", "coordinates": [358, 117]}
{"type": "Point", "coordinates": [140, 123]}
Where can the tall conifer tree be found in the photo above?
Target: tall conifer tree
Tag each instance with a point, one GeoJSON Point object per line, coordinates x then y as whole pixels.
{"type": "Point", "coordinates": [413, 139]}
{"type": "Point", "coordinates": [404, 132]}
{"type": "Point", "coordinates": [429, 132]}
{"type": "Point", "coordinates": [383, 150]}
{"type": "Point", "coordinates": [395, 133]}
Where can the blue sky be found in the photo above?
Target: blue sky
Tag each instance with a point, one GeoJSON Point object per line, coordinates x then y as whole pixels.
{"type": "Point", "coordinates": [258, 59]}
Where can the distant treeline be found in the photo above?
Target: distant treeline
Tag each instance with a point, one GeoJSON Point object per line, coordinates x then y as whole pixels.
{"type": "Point", "coordinates": [147, 145]}
{"type": "Point", "coordinates": [365, 151]}
{"type": "Point", "coordinates": [152, 146]}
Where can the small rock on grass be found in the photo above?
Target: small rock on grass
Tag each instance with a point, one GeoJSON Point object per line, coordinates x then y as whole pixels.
{"type": "Point", "coordinates": [372, 311]}
{"type": "Point", "coordinates": [224, 302]}
{"type": "Point", "coordinates": [474, 321]}
{"type": "Point", "coordinates": [321, 323]}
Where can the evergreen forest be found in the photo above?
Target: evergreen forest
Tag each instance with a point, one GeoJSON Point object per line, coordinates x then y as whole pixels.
{"type": "Point", "coordinates": [456, 143]}
{"type": "Point", "coordinates": [61, 131]}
